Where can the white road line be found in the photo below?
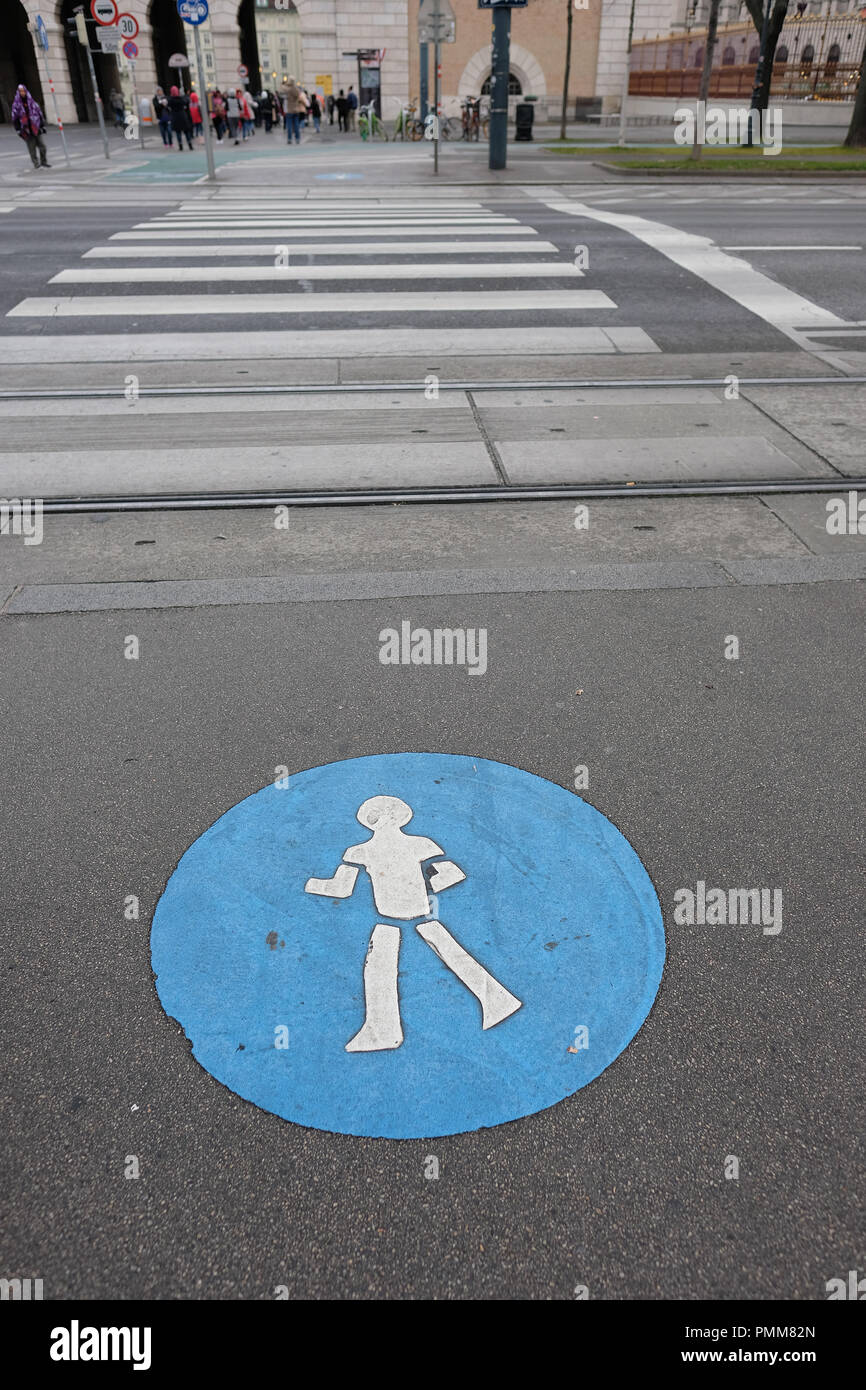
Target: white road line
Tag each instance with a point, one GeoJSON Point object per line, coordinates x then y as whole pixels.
{"type": "Point", "coordinates": [433, 302]}
{"type": "Point", "coordinates": [299, 205]}
{"type": "Point", "coordinates": [206, 234]}
{"type": "Point", "coordinates": [792, 248]}
{"type": "Point", "coordinates": [243, 405]}
{"type": "Point", "coordinates": [735, 278]}
{"type": "Point", "coordinates": [265, 223]}
{"type": "Point", "coordinates": [330, 248]}
{"type": "Point", "coordinates": [431, 346]}
{"type": "Point", "coordinates": [202, 274]}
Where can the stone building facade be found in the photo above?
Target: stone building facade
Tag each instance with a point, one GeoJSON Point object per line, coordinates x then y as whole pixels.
{"type": "Point", "coordinates": [322, 37]}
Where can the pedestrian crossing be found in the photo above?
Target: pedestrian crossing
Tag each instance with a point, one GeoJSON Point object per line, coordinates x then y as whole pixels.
{"type": "Point", "coordinates": [395, 270]}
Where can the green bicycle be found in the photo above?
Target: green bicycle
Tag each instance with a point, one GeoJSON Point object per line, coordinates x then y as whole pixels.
{"type": "Point", "coordinates": [368, 115]}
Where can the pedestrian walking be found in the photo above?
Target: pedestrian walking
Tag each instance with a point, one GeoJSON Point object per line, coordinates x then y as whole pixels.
{"type": "Point", "coordinates": [342, 111]}
{"type": "Point", "coordinates": [178, 105]}
{"type": "Point", "coordinates": [28, 120]}
{"type": "Point", "coordinates": [315, 112]}
{"type": "Point", "coordinates": [233, 115]}
{"type": "Point", "coordinates": [195, 114]}
{"type": "Point", "coordinates": [265, 110]}
{"type": "Point", "coordinates": [163, 115]}
{"type": "Point", "coordinates": [247, 111]}
{"type": "Point", "coordinates": [115, 101]}
{"type": "Point", "coordinates": [218, 105]}
{"type": "Point", "coordinates": [331, 108]}
{"type": "Point", "coordinates": [295, 108]}
{"type": "Point", "coordinates": [353, 106]}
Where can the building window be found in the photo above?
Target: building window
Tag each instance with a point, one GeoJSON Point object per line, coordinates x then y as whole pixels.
{"type": "Point", "coordinates": [754, 53]}
{"type": "Point", "coordinates": [833, 55]}
{"type": "Point", "coordinates": [808, 55]}
{"type": "Point", "coordinates": [729, 57]}
{"type": "Point", "coordinates": [514, 86]}
{"type": "Point", "coordinates": [782, 54]}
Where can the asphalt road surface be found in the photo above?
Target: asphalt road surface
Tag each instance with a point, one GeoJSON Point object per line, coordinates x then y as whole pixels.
{"type": "Point", "coordinates": [700, 657]}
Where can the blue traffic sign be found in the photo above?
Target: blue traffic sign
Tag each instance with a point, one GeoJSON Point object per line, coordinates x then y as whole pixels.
{"type": "Point", "coordinates": [192, 11]}
{"type": "Point", "coordinates": [408, 945]}
{"type": "Point", "coordinates": [41, 32]}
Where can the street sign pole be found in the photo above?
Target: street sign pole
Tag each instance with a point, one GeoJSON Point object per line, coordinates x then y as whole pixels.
{"type": "Point", "coordinates": [423, 96]}
{"type": "Point", "coordinates": [499, 87]}
{"type": "Point", "coordinates": [43, 43]}
{"type": "Point", "coordinates": [208, 147]}
{"type": "Point", "coordinates": [437, 92]}
{"type": "Point", "coordinates": [138, 121]}
{"type": "Point", "coordinates": [97, 98]}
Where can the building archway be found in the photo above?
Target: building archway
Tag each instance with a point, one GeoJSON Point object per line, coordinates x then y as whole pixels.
{"type": "Point", "coordinates": [524, 66]}
{"type": "Point", "coordinates": [17, 58]}
{"type": "Point", "coordinates": [515, 87]}
{"type": "Point", "coordinates": [169, 37]}
{"type": "Point", "coordinates": [249, 43]}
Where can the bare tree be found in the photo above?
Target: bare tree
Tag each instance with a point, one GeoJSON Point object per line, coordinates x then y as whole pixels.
{"type": "Point", "coordinates": [712, 29]}
{"type": "Point", "coordinates": [778, 14]}
{"type": "Point", "coordinates": [569, 5]}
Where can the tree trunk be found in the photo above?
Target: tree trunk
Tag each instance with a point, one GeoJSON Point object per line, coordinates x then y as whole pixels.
{"type": "Point", "coordinates": [777, 20]}
{"type": "Point", "coordinates": [712, 28]}
{"type": "Point", "coordinates": [857, 129]}
{"type": "Point", "coordinates": [565, 80]}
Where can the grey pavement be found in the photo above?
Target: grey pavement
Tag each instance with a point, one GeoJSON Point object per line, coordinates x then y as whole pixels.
{"type": "Point", "coordinates": [259, 649]}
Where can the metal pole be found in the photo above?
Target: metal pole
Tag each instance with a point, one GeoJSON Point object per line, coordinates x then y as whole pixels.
{"type": "Point", "coordinates": [57, 111]}
{"type": "Point", "coordinates": [423, 99]}
{"type": "Point", "coordinates": [626, 75]}
{"type": "Point", "coordinates": [98, 100]}
{"type": "Point", "coordinates": [138, 121]}
{"type": "Point", "coordinates": [208, 148]}
{"type": "Point", "coordinates": [437, 96]}
{"type": "Point", "coordinates": [499, 87]}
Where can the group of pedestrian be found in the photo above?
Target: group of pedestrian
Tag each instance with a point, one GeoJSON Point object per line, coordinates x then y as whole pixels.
{"type": "Point", "coordinates": [237, 114]}
{"type": "Point", "coordinates": [345, 105]}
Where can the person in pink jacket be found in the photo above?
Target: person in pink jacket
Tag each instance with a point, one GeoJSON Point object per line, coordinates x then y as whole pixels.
{"type": "Point", "coordinates": [195, 113]}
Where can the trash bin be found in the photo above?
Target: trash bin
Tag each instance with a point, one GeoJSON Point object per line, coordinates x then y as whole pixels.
{"type": "Point", "coordinates": [524, 113]}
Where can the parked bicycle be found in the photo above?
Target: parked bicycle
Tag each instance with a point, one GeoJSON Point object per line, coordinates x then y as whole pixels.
{"type": "Point", "coordinates": [408, 125]}
{"type": "Point", "coordinates": [470, 116]}
{"type": "Point", "coordinates": [370, 125]}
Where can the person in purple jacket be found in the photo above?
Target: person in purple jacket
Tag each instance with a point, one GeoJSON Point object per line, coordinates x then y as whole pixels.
{"type": "Point", "coordinates": [29, 121]}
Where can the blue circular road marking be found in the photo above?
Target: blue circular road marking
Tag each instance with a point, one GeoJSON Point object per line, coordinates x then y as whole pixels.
{"type": "Point", "coordinates": [536, 908]}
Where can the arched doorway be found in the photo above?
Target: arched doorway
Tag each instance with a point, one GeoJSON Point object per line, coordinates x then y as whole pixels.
{"type": "Point", "coordinates": [107, 76]}
{"type": "Point", "coordinates": [515, 87]}
{"type": "Point", "coordinates": [169, 37]}
{"type": "Point", "coordinates": [17, 58]}
{"type": "Point", "coordinates": [249, 43]}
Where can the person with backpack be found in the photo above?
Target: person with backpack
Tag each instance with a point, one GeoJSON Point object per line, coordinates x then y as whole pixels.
{"type": "Point", "coordinates": [315, 112]}
{"type": "Point", "coordinates": [353, 106]}
{"type": "Point", "coordinates": [28, 120]}
{"type": "Point", "coordinates": [180, 123]}
{"type": "Point", "coordinates": [233, 115]}
{"type": "Point", "coordinates": [247, 112]}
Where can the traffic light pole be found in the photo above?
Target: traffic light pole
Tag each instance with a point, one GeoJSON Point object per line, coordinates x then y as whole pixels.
{"type": "Point", "coordinates": [499, 86]}
{"type": "Point", "coordinates": [98, 100]}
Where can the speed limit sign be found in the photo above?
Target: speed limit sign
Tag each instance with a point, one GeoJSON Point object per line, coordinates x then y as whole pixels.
{"type": "Point", "coordinates": [104, 11]}
{"type": "Point", "coordinates": [127, 25]}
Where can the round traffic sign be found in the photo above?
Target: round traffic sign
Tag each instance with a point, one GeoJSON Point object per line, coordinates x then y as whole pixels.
{"type": "Point", "coordinates": [104, 11]}
{"type": "Point", "coordinates": [408, 945]}
{"type": "Point", "coordinates": [130, 49]}
{"type": "Point", "coordinates": [243, 71]}
{"type": "Point", "coordinates": [127, 26]}
{"type": "Point", "coordinates": [192, 11]}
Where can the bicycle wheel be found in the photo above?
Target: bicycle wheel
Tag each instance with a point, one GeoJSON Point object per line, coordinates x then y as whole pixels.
{"type": "Point", "coordinates": [415, 130]}
{"type": "Point", "coordinates": [379, 130]}
{"type": "Point", "coordinates": [446, 130]}
{"type": "Point", "coordinates": [485, 127]}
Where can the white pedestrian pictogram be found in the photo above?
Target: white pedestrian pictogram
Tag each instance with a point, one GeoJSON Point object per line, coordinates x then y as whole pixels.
{"type": "Point", "coordinates": [393, 862]}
